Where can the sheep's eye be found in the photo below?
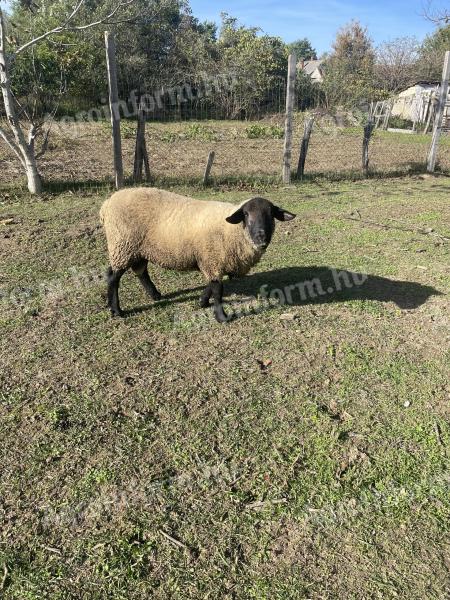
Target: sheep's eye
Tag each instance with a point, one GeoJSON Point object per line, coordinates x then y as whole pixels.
{"type": "Point", "coordinates": [245, 214]}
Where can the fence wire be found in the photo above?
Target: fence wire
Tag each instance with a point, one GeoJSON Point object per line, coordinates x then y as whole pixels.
{"type": "Point", "coordinates": [241, 123]}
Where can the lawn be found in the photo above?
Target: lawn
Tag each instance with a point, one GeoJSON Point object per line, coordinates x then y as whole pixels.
{"type": "Point", "coordinates": [300, 451]}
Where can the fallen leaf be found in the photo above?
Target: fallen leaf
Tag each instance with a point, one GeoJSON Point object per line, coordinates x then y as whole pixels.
{"type": "Point", "coordinates": [264, 364]}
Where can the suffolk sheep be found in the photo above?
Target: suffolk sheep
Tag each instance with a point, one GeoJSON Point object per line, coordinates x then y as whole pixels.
{"type": "Point", "coordinates": [145, 225]}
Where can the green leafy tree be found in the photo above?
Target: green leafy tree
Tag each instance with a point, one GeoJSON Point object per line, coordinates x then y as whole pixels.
{"type": "Point", "coordinates": [349, 70]}
{"type": "Point", "coordinates": [146, 36]}
{"type": "Point", "coordinates": [303, 49]}
{"type": "Point", "coordinates": [431, 54]}
{"type": "Point", "coordinates": [146, 44]}
{"type": "Point", "coordinates": [309, 93]}
{"type": "Point", "coordinates": [30, 43]}
{"type": "Point", "coordinates": [258, 63]}
{"type": "Point", "coordinates": [194, 51]}
{"type": "Point", "coordinates": [61, 63]}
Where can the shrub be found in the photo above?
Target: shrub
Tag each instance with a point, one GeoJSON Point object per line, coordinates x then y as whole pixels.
{"type": "Point", "coordinates": [257, 131]}
{"type": "Point", "coordinates": [168, 136]}
{"type": "Point", "coordinates": [399, 123]}
{"type": "Point", "coordinates": [197, 131]}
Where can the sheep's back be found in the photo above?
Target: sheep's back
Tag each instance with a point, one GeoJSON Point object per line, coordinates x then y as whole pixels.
{"type": "Point", "coordinates": [167, 229]}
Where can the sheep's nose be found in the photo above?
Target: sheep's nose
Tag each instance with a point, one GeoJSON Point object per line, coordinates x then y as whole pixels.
{"type": "Point", "coordinates": [261, 237]}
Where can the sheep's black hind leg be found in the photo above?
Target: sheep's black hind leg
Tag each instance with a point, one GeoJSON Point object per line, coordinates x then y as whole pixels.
{"type": "Point", "coordinates": [141, 272]}
{"type": "Point", "coordinates": [113, 278]}
{"type": "Point", "coordinates": [217, 294]}
{"type": "Point", "coordinates": [205, 297]}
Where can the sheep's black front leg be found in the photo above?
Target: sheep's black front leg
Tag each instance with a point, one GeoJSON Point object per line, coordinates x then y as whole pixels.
{"type": "Point", "coordinates": [217, 294]}
{"type": "Point", "coordinates": [205, 297]}
{"type": "Point", "coordinates": [113, 278]}
{"type": "Point", "coordinates": [140, 270]}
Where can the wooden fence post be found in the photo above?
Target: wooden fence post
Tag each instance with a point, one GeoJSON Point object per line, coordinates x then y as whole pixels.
{"type": "Point", "coordinates": [208, 168]}
{"type": "Point", "coordinates": [288, 129]}
{"type": "Point", "coordinates": [309, 123]}
{"type": "Point", "coordinates": [137, 170]}
{"type": "Point", "coordinates": [387, 114]}
{"type": "Point", "coordinates": [141, 154]}
{"type": "Point", "coordinates": [114, 107]}
{"type": "Point", "coordinates": [429, 113]}
{"type": "Point", "coordinates": [443, 93]}
{"type": "Point", "coordinates": [368, 130]}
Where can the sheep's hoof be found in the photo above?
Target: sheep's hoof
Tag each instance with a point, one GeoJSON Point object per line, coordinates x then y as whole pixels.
{"type": "Point", "coordinates": [156, 296]}
{"type": "Point", "coordinates": [117, 314]}
{"type": "Point", "coordinates": [221, 316]}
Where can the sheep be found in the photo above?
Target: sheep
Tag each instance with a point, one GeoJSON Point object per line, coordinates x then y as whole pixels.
{"type": "Point", "coordinates": [145, 225]}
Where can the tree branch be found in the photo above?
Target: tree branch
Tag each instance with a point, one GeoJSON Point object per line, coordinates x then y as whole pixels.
{"type": "Point", "coordinates": [68, 27]}
{"type": "Point", "coordinates": [19, 145]}
{"type": "Point", "coordinates": [8, 98]}
{"type": "Point", "coordinates": [11, 143]}
{"type": "Point", "coordinates": [51, 120]}
{"type": "Point", "coordinates": [32, 134]}
{"type": "Point", "coordinates": [436, 16]}
{"type": "Point", "coordinates": [44, 147]}
{"type": "Point", "coordinates": [74, 12]}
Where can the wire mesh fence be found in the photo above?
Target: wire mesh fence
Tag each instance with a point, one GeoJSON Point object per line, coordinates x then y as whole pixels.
{"type": "Point", "coordinates": [243, 124]}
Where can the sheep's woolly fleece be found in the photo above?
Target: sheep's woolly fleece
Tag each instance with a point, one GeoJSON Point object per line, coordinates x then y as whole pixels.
{"type": "Point", "coordinates": [176, 232]}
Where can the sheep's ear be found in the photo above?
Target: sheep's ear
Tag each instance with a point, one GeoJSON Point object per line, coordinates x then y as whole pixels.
{"type": "Point", "coordinates": [235, 218]}
{"type": "Point", "coordinates": [282, 215]}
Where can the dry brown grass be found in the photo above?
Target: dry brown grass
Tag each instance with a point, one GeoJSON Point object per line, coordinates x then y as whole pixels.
{"type": "Point", "coordinates": [179, 151]}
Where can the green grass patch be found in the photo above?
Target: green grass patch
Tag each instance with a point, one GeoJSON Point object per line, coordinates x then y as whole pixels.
{"type": "Point", "coordinates": [167, 456]}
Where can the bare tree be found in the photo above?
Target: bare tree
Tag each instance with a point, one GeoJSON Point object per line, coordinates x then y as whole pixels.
{"type": "Point", "coordinates": [15, 134]}
{"type": "Point", "coordinates": [396, 63]}
{"type": "Point", "coordinates": [439, 15]}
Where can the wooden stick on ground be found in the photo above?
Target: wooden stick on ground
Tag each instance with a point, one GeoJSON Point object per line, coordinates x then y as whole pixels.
{"type": "Point", "coordinates": [208, 168]}
{"type": "Point", "coordinates": [309, 123]}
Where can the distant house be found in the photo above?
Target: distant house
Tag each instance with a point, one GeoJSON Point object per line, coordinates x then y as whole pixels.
{"type": "Point", "coordinates": [313, 68]}
{"type": "Point", "coordinates": [414, 103]}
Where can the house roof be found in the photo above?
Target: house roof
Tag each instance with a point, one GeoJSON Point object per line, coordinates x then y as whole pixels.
{"type": "Point", "coordinates": [309, 66]}
{"type": "Point", "coordinates": [422, 83]}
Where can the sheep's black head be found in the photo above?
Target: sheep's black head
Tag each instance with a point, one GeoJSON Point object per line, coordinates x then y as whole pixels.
{"type": "Point", "coordinates": [258, 217]}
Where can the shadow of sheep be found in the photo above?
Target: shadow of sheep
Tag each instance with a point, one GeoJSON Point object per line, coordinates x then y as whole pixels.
{"type": "Point", "coordinates": [314, 285]}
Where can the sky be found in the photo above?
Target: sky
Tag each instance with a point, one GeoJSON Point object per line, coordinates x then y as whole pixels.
{"type": "Point", "coordinates": [319, 21]}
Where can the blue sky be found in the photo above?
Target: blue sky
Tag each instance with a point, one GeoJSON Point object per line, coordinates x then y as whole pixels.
{"type": "Point", "coordinates": [319, 21]}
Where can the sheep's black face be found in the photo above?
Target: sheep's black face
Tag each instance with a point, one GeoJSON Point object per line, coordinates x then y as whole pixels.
{"type": "Point", "coordinates": [258, 217]}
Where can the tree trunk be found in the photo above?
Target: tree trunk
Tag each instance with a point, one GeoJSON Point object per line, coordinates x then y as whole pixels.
{"type": "Point", "coordinates": [33, 177]}
{"type": "Point", "coordinates": [19, 145]}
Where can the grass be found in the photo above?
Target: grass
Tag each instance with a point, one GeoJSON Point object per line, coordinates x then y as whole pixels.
{"type": "Point", "coordinates": [166, 456]}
